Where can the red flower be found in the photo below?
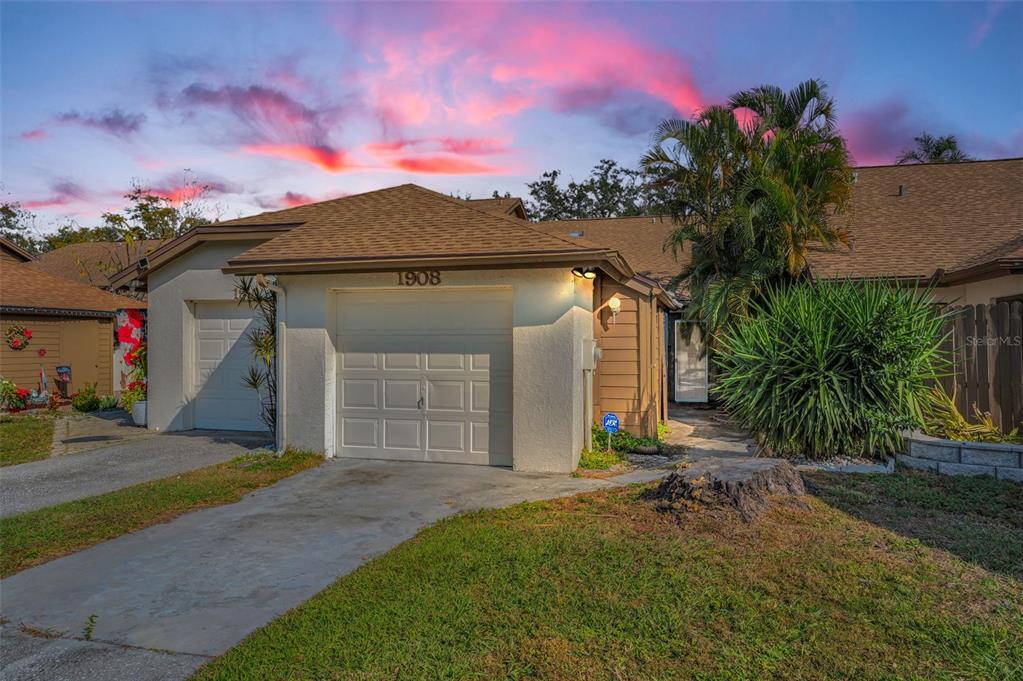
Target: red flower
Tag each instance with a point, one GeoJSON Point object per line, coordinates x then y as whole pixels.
{"type": "Point", "coordinates": [27, 333]}
{"type": "Point", "coordinates": [23, 393]}
{"type": "Point", "coordinates": [16, 343]}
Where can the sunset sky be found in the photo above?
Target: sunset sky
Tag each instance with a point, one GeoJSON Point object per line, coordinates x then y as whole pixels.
{"type": "Point", "coordinates": [274, 104]}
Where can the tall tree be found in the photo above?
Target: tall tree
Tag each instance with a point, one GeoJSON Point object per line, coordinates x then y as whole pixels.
{"type": "Point", "coordinates": [751, 198]}
{"type": "Point", "coordinates": [609, 191]}
{"type": "Point", "coordinates": [930, 149]}
{"type": "Point", "coordinates": [18, 225]}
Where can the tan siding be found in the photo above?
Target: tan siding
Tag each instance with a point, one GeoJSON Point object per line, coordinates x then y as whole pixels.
{"type": "Point", "coordinates": [85, 344]}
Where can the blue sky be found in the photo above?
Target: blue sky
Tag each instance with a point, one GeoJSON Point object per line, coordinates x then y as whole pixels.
{"type": "Point", "coordinates": [273, 104]}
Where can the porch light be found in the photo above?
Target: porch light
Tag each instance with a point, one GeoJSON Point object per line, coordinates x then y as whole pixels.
{"type": "Point", "coordinates": [585, 272]}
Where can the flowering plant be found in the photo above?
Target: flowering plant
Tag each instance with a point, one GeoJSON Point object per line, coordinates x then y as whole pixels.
{"type": "Point", "coordinates": [12, 397]}
{"type": "Point", "coordinates": [18, 336]}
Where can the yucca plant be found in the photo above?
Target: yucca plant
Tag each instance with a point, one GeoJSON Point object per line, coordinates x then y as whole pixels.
{"type": "Point", "coordinates": [832, 368]}
{"type": "Point", "coordinates": [262, 339]}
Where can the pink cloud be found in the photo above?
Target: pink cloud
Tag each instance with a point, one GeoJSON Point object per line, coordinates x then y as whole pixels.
{"type": "Point", "coordinates": [62, 193]}
{"type": "Point", "coordinates": [325, 158]}
{"type": "Point", "coordinates": [472, 146]}
{"type": "Point", "coordinates": [477, 64]}
{"type": "Point", "coordinates": [36, 134]}
{"type": "Point", "coordinates": [980, 31]}
{"type": "Point", "coordinates": [443, 165]}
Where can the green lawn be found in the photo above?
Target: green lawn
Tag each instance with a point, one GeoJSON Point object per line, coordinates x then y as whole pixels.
{"type": "Point", "coordinates": [39, 536]}
{"type": "Point", "coordinates": [601, 586]}
{"type": "Point", "coordinates": [25, 438]}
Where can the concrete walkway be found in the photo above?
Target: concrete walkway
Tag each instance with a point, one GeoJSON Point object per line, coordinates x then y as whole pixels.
{"type": "Point", "coordinates": [168, 596]}
{"type": "Point", "coordinates": [33, 485]}
{"type": "Point", "coordinates": [706, 433]}
{"type": "Point", "coordinates": [75, 432]}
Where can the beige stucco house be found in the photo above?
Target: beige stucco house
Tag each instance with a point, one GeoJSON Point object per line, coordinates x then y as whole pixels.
{"type": "Point", "coordinates": [416, 326]}
{"type": "Point", "coordinates": [412, 326]}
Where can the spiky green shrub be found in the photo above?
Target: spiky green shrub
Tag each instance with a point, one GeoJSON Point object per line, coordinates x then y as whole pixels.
{"type": "Point", "coordinates": [832, 368]}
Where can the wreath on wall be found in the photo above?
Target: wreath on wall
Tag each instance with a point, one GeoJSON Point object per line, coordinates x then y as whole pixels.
{"type": "Point", "coordinates": [18, 337]}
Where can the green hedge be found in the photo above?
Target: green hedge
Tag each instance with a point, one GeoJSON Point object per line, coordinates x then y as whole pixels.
{"type": "Point", "coordinates": [831, 368]}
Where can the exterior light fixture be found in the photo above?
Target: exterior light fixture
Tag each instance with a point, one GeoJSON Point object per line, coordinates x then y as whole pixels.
{"type": "Point", "coordinates": [585, 272]}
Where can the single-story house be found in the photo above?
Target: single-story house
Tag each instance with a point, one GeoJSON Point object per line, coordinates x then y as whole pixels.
{"type": "Point", "coordinates": [70, 324]}
{"type": "Point", "coordinates": [412, 326]}
{"type": "Point", "coordinates": [416, 326]}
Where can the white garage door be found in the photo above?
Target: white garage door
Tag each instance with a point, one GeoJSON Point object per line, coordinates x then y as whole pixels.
{"type": "Point", "coordinates": [425, 375]}
{"type": "Point", "coordinates": [222, 400]}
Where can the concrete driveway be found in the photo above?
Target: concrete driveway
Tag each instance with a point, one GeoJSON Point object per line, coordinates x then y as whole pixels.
{"type": "Point", "coordinates": [29, 486]}
{"type": "Point", "coordinates": [168, 597]}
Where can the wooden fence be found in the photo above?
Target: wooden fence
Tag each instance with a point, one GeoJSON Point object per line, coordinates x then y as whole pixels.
{"type": "Point", "coordinates": [986, 344]}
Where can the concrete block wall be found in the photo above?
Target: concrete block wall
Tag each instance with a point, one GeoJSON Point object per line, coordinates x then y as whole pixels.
{"type": "Point", "coordinates": [951, 457]}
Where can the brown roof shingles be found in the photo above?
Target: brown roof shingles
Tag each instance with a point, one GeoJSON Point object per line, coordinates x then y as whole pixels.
{"type": "Point", "coordinates": [949, 214]}
{"type": "Point", "coordinates": [93, 262]}
{"type": "Point", "coordinates": [24, 287]}
{"type": "Point", "coordinates": [400, 222]}
{"type": "Point", "coordinates": [640, 240]}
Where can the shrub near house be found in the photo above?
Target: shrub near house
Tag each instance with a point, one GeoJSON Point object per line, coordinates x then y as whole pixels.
{"type": "Point", "coordinates": [832, 368]}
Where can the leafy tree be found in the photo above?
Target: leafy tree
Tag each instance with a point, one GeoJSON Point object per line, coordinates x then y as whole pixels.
{"type": "Point", "coordinates": [750, 198]}
{"type": "Point", "coordinates": [151, 216]}
{"type": "Point", "coordinates": [18, 226]}
{"type": "Point", "coordinates": [930, 149]}
{"type": "Point", "coordinates": [609, 191]}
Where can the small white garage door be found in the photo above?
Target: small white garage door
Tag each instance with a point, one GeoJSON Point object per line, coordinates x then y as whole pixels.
{"type": "Point", "coordinates": [425, 375]}
{"type": "Point", "coordinates": [222, 400]}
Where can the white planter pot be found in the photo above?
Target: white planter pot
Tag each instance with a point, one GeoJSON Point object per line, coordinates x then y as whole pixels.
{"type": "Point", "coordinates": [138, 413]}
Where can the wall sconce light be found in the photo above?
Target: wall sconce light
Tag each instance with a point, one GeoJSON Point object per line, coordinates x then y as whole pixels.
{"type": "Point", "coordinates": [585, 272]}
{"type": "Point", "coordinates": [615, 305]}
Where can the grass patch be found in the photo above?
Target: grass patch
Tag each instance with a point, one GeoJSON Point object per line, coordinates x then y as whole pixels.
{"type": "Point", "coordinates": [978, 519]}
{"type": "Point", "coordinates": [42, 535]}
{"type": "Point", "coordinates": [601, 586]}
{"type": "Point", "coordinates": [599, 460]}
{"type": "Point", "coordinates": [24, 439]}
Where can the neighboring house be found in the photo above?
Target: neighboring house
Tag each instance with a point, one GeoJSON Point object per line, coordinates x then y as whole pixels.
{"type": "Point", "coordinates": [13, 254]}
{"type": "Point", "coordinates": [956, 226]}
{"type": "Point", "coordinates": [93, 262]}
{"type": "Point", "coordinates": [413, 326]}
{"type": "Point", "coordinates": [72, 324]}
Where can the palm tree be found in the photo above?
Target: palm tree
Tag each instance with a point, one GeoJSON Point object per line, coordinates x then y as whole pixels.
{"type": "Point", "coordinates": [930, 149]}
{"type": "Point", "coordinates": [752, 197]}
{"type": "Point", "coordinates": [801, 175]}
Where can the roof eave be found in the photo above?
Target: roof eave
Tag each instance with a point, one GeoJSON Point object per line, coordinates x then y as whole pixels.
{"type": "Point", "coordinates": [608, 261]}
{"type": "Point", "coordinates": [987, 270]}
{"type": "Point", "coordinates": [189, 240]}
{"type": "Point", "coordinates": [54, 311]}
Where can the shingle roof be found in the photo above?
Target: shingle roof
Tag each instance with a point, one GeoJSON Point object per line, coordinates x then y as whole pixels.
{"type": "Point", "coordinates": [400, 222]}
{"type": "Point", "coordinates": [93, 262]}
{"type": "Point", "coordinates": [22, 286]}
{"type": "Point", "coordinates": [14, 251]}
{"type": "Point", "coordinates": [507, 206]}
{"type": "Point", "coordinates": [640, 240]}
{"type": "Point", "coordinates": [950, 214]}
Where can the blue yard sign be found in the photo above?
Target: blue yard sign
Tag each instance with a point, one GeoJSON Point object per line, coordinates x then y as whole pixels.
{"type": "Point", "coordinates": [611, 423]}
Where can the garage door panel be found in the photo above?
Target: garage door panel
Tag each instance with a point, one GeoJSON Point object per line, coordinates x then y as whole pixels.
{"type": "Point", "coordinates": [358, 360]}
{"type": "Point", "coordinates": [221, 398]}
{"type": "Point", "coordinates": [445, 435]}
{"type": "Point", "coordinates": [356, 432]}
{"type": "Point", "coordinates": [400, 434]}
{"type": "Point", "coordinates": [445, 396]}
{"type": "Point", "coordinates": [359, 394]}
{"type": "Point", "coordinates": [401, 361]}
{"type": "Point", "coordinates": [400, 394]}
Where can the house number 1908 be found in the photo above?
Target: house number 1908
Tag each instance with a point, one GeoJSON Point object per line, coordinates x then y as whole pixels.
{"type": "Point", "coordinates": [419, 278]}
